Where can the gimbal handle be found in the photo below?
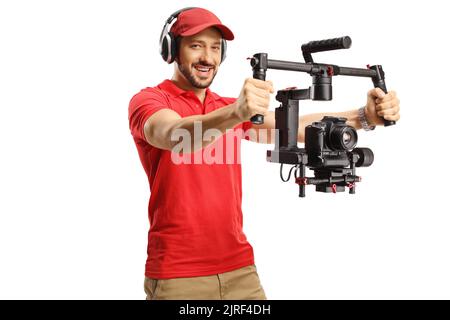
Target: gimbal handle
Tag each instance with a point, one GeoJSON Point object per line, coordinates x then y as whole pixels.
{"type": "Point", "coordinates": [378, 82]}
{"type": "Point", "coordinates": [261, 75]}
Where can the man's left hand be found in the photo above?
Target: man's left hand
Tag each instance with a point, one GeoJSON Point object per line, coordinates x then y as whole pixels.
{"type": "Point", "coordinates": [382, 106]}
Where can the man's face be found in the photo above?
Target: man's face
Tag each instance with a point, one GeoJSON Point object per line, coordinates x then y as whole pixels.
{"type": "Point", "coordinates": [199, 57]}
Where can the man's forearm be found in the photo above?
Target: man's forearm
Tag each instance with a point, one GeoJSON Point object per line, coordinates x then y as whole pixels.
{"type": "Point", "coordinates": [221, 119]}
{"type": "Point", "coordinates": [352, 120]}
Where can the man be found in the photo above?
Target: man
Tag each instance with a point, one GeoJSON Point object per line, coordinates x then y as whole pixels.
{"type": "Point", "coordinates": [196, 246]}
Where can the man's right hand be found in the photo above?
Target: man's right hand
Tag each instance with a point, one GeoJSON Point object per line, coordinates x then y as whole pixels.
{"type": "Point", "coordinates": [253, 99]}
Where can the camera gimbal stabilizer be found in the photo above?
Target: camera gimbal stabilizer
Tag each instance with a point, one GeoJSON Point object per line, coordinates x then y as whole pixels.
{"type": "Point", "coordinates": [329, 144]}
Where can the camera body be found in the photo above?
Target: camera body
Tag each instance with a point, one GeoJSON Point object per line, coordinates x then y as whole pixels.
{"type": "Point", "coordinates": [328, 143]}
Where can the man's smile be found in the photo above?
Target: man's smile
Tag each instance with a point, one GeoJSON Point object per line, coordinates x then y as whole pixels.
{"type": "Point", "coordinates": [203, 71]}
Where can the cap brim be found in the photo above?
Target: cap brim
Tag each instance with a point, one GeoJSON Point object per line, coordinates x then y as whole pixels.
{"type": "Point", "coordinates": [226, 33]}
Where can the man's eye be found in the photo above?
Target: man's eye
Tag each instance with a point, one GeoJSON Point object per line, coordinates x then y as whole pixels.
{"type": "Point", "coordinates": [195, 45]}
{"type": "Point", "coordinates": [216, 48]}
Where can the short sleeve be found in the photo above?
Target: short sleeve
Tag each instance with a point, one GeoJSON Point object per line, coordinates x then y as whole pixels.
{"type": "Point", "coordinates": [141, 107]}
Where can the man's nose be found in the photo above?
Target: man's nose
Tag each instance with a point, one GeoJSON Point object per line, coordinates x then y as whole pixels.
{"type": "Point", "coordinates": [207, 57]}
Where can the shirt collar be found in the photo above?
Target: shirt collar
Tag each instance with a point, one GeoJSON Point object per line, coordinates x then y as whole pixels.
{"type": "Point", "coordinates": [170, 87]}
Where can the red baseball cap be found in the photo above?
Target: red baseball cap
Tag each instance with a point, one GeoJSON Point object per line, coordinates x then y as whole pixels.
{"type": "Point", "coordinates": [195, 20]}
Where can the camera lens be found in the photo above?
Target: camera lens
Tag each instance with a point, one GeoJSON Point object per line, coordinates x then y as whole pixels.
{"type": "Point", "coordinates": [346, 137]}
{"type": "Point", "coordinates": [343, 138]}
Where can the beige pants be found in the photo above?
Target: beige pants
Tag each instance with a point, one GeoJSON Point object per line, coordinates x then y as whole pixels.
{"type": "Point", "coordinates": [240, 284]}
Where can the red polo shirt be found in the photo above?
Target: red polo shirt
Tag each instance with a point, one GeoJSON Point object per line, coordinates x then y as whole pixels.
{"type": "Point", "coordinates": [195, 206]}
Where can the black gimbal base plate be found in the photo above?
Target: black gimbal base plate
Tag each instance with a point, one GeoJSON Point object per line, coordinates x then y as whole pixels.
{"type": "Point", "coordinates": [330, 174]}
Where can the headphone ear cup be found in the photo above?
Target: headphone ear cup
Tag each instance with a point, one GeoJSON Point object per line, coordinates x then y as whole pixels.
{"type": "Point", "coordinates": [163, 48]}
{"type": "Point", "coordinates": [168, 48]}
{"type": "Point", "coordinates": [173, 48]}
{"type": "Point", "coordinates": [224, 50]}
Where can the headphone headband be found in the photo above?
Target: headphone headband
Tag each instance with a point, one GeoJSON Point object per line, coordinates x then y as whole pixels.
{"type": "Point", "coordinates": [169, 20]}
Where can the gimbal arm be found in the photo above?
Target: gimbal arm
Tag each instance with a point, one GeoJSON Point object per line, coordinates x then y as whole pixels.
{"type": "Point", "coordinates": [319, 71]}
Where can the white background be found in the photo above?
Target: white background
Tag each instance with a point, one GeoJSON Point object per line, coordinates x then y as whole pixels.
{"type": "Point", "coordinates": [73, 194]}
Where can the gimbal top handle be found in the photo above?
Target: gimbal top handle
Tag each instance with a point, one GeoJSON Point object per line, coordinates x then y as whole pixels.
{"type": "Point", "coordinates": [324, 45]}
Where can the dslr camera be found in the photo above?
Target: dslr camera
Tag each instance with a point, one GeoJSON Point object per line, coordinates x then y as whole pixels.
{"type": "Point", "coordinates": [330, 148]}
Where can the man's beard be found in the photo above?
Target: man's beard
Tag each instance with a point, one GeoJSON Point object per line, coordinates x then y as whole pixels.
{"type": "Point", "coordinates": [193, 80]}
